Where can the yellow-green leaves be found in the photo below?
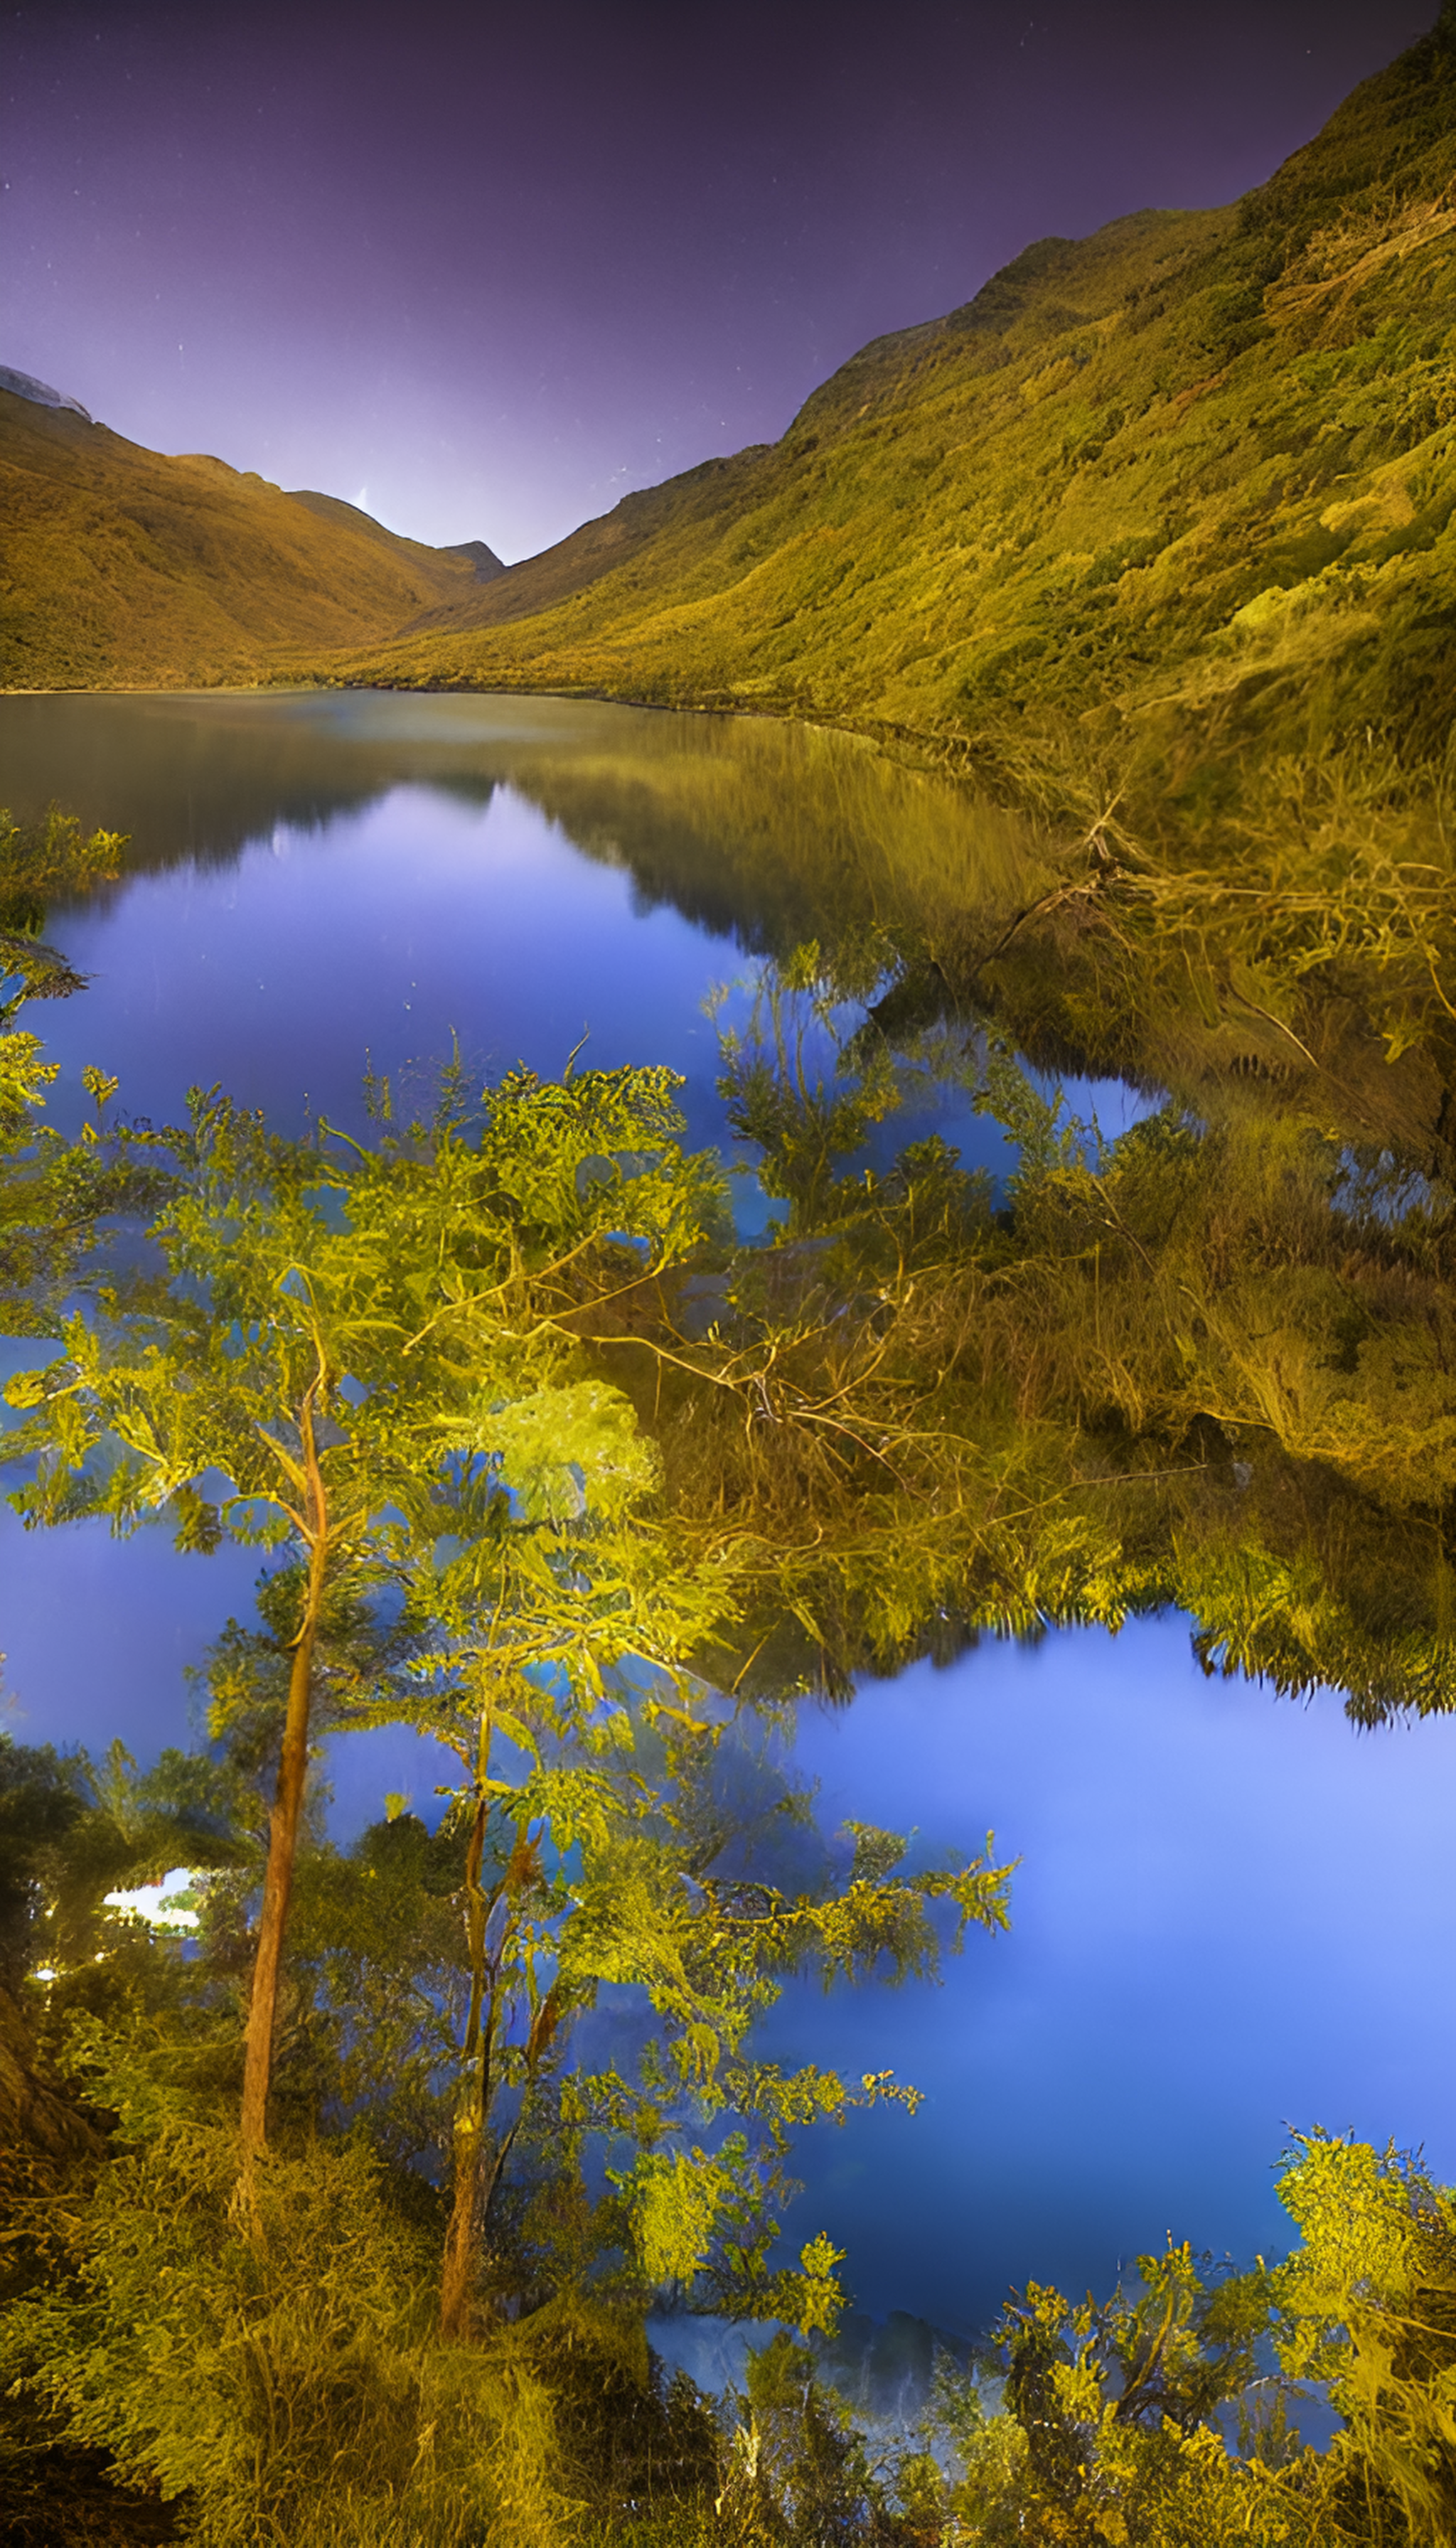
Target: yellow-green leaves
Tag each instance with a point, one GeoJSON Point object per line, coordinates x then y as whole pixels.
{"type": "Point", "coordinates": [1367, 2302]}
{"type": "Point", "coordinates": [1373, 2229]}
{"type": "Point", "coordinates": [676, 2199]}
{"type": "Point", "coordinates": [565, 1452]}
{"type": "Point", "coordinates": [1358, 2212]}
{"type": "Point", "coordinates": [54, 856]}
{"type": "Point", "coordinates": [374, 1312]}
{"type": "Point", "coordinates": [876, 1852]}
{"type": "Point", "coordinates": [23, 1073]}
{"type": "Point", "coordinates": [31, 1389]}
{"type": "Point", "coordinates": [821, 2297]}
{"type": "Point", "coordinates": [597, 1152]}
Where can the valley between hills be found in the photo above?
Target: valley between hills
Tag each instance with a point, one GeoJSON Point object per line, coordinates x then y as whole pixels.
{"type": "Point", "coordinates": [1181, 489]}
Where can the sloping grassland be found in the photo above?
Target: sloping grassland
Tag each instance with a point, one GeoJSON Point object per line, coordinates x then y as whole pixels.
{"type": "Point", "coordinates": [1198, 470]}
{"type": "Point", "coordinates": [118, 566]}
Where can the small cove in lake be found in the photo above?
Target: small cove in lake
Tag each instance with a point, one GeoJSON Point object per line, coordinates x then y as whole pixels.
{"type": "Point", "coordinates": [1233, 1914]}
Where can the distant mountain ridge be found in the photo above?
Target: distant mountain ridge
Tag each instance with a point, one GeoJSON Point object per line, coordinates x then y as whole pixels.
{"type": "Point", "coordinates": [333, 509]}
{"type": "Point", "coordinates": [121, 568]}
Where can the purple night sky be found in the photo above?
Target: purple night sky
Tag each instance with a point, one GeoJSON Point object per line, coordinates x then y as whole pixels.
{"type": "Point", "coordinates": [484, 269]}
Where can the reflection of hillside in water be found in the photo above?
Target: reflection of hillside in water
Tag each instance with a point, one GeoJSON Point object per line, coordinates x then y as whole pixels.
{"type": "Point", "coordinates": [768, 832]}
{"type": "Point", "coordinates": [781, 834]}
{"type": "Point", "coordinates": [184, 778]}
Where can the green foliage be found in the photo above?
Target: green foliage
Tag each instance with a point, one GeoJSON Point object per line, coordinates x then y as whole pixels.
{"type": "Point", "coordinates": [1106, 2432]}
{"type": "Point", "coordinates": [70, 1834]}
{"type": "Point", "coordinates": [798, 2471]}
{"type": "Point", "coordinates": [36, 862]}
{"type": "Point", "coordinates": [797, 1122]}
{"type": "Point", "coordinates": [54, 1197]}
{"type": "Point", "coordinates": [229, 2343]}
{"type": "Point", "coordinates": [1109, 2425]}
{"type": "Point", "coordinates": [605, 1877]}
{"type": "Point", "coordinates": [1368, 2303]}
{"type": "Point", "coordinates": [282, 2378]}
{"type": "Point", "coordinates": [1160, 2363]}
{"type": "Point", "coordinates": [530, 1498]}
{"type": "Point", "coordinates": [1205, 1363]}
{"type": "Point", "coordinates": [23, 1073]}
{"type": "Point", "coordinates": [271, 1294]}
{"type": "Point", "coordinates": [352, 1346]}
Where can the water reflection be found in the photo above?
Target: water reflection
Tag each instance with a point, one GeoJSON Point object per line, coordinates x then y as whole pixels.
{"type": "Point", "coordinates": [312, 879]}
{"type": "Point", "coordinates": [375, 938]}
{"type": "Point", "coordinates": [1209, 1940]}
{"type": "Point", "coordinates": [1232, 1916]}
{"type": "Point", "coordinates": [319, 881]}
{"type": "Point", "coordinates": [769, 832]}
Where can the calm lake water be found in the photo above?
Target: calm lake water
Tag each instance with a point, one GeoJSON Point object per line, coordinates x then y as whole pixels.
{"type": "Point", "coordinates": [1234, 1915]}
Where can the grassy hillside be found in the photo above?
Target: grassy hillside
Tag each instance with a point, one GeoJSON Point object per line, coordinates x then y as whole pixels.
{"type": "Point", "coordinates": [1198, 470]}
{"type": "Point", "coordinates": [120, 567]}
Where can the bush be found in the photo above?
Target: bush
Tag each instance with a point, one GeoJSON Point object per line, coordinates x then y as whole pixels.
{"type": "Point", "coordinates": [264, 2351]}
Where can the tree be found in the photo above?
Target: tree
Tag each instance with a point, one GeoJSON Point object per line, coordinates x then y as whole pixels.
{"type": "Point", "coordinates": [325, 1321]}
{"type": "Point", "coordinates": [53, 1193]}
{"type": "Point", "coordinates": [317, 2291]}
{"type": "Point", "coordinates": [613, 1834]}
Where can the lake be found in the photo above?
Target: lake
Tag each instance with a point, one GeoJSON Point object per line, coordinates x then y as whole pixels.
{"type": "Point", "coordinates": [1232, 1916]}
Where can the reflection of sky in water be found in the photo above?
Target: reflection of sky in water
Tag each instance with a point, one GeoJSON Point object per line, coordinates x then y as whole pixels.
{"type": "Point", "coordinates": [1233, 1914]}
{"type": "Point", "coordinates": [382, 934]}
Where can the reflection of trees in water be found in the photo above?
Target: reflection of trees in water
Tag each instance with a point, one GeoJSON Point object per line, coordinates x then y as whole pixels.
{"type": "Point", "coordinates": [182, 779]}
{"type": "Point", "coordinates": [1294, 955]}
{"type": "Point", "coordinates": [747, 827]}
{"type": "Point", "coordinates": [774, 834]}
{"type": "Point", "coordinates": [1211, 1364]}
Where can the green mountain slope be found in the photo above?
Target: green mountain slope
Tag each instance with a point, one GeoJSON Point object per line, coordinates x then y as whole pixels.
{"type": "Point", "coordinates": [1199, 468]}
{"type": "Point", "coordinates": [120, 567]}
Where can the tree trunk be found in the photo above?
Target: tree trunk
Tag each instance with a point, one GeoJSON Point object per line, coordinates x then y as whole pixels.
{"type": "Point", "coordinates": [283, 1823]}
{"type": "Point", "coordinates": [459, 2260]}
{"type": "Point", "coordinates": [474, 2105]}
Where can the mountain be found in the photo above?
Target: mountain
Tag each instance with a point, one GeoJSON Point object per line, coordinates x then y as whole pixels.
{"type": "Point", "coordinates": [1191, 479]}
{"type": "Point", "coordinates": [1197, 471]}
{"type": "Point", "coordinates": [121, 568]}
{"type": "Point", "coordinates": [482, 560]}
